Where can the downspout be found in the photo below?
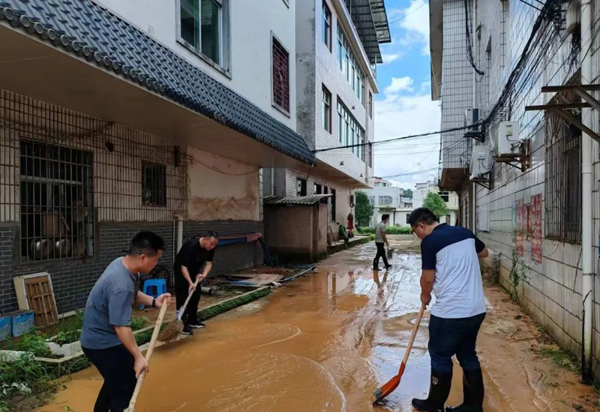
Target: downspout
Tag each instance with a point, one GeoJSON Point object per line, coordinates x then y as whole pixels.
{"type": "Point", "coordinates": [587, 202]}
{"type": "Point", "coordinates": [473, 185]}
{"type": "Point", "coordinates": [179, 232]}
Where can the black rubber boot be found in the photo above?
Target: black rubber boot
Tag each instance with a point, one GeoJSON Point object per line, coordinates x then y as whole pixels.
{"type": "Point", "coordinates": [473, 392]}
{"type": "Point", "coordinates": [438, 393]}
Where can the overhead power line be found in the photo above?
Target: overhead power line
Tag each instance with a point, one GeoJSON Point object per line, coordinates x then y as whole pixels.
{"type": "Point", "coordinates": [395, 139]}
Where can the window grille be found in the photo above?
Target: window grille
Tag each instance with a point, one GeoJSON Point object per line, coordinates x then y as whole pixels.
{"type": "Point", "coordinates": [563, 179]}
{"type": "Point", "coordinates": [281, 77]}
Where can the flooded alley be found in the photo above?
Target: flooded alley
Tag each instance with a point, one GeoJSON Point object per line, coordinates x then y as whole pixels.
{"type": "Point", "coordinates": [325, 342]}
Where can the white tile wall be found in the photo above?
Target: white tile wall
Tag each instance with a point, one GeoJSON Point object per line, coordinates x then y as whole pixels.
{"type": "Point", "coordinates": [552, 288]}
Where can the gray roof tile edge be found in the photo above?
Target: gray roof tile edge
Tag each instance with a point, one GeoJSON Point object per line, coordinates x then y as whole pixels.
{"type": "Point", "coordinates": [154, 78]}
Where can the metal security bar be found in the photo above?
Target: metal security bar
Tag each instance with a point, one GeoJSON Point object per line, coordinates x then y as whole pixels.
{"type": "Point", "coordinates": [563, 180]}
{"type": "Point", "coordinates": [62, 171]}
{"type": "Point", "coordinates": [57, 216]}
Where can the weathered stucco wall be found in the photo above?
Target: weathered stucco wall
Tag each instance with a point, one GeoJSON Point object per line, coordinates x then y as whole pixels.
{"type": "Point", "coordinates": [221, 189]}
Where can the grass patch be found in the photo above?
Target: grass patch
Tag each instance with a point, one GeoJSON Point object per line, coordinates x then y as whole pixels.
{"type": "Point", "coordinates": [23, 378]}
{"type": "Point", "coordinates": [232, 303]}
{"type": "Point", "coordinates": [138, 323]}
{"type": "Point", "coordinates": [562, 358]}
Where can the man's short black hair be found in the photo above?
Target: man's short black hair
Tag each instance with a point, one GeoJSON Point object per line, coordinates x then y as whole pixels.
{"type": "Point", "coordinates": [385, 217]}
{"type": "Point", "coordinates": [146, 243]}
{"type": "Point", "coordinates": [211, 233]}
{"type": "Point", "coordinates": [422, 215]}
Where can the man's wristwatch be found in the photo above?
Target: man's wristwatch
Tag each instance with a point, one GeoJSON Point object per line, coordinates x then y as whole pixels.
{"type": "Point", "coordinates": [153, 302]}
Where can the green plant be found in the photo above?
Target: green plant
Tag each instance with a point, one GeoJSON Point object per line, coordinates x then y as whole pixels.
{"type": "Point", "coordinates": [562, 358]}
{"type": "Point", "coordinates": [390, 230]}
{"type": "Point", "coordinates": [34, 342]}
{"type": "Point", "coordinates": [138, 323]}
{"type": "Point", "coordinates": [517, 275]}
{"type": "Point", "coordinates": [23, 377]}
{"type": "Point", "coordinates": [434, 202]}
{"type": "Point", "coordinates": [63, 338]}
{"type": "Point", "coordinates": [364, 209]}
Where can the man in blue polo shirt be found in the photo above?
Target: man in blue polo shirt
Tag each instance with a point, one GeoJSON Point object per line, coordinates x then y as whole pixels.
{"type": "Point", "coordinates": [451, 270]}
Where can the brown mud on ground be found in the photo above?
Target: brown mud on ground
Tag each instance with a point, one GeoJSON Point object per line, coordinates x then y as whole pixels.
{"type": "Point", "coordinates": [325, 342]}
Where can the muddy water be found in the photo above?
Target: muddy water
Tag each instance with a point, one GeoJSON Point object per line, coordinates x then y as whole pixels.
{"type": "Point", "coordinates": [323, 343]}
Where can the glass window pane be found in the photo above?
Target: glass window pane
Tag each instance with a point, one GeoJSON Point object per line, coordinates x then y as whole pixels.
{"type": "Point", "coordinates": [211, 30]}
{"type": "Point", "coordinates": [189, 14]}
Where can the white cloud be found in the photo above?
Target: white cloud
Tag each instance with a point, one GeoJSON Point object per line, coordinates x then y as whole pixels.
{"type": "Point", "coordinates": [413, 112]}
{"type": "Point", "coordinates": [390, 57]}
{"type": "Point", "coordinates": [415, 20]}
{"type": "Point", "coordinates": [399, 84]}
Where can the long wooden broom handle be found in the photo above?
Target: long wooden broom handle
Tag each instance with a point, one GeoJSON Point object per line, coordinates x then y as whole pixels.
{"type": "Point", "coordinates": [138, 385]}
{"type": "Point", "coordinates": [182, 309]}
{"type": "Point", "coordinates": [412, 337]}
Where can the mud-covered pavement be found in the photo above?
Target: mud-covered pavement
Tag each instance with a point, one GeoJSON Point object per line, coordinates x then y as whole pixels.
{"type": "Point", "coordinates": [324, 343]}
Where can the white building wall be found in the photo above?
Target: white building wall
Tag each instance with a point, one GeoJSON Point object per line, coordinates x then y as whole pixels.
{"type": "Point", "coordinates": [318, 66]}
{"type": "Point", "coordinates": [457, 85]}
{"type": "Point", "coordinates": [550, 290]}
{"type": "Point", "coordinates": [252, 23]}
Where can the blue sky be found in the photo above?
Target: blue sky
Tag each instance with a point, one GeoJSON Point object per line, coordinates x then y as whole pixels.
{"type": "Point", "coordinates": [403, 106]}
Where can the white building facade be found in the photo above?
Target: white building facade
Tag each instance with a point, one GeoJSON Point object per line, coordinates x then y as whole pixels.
{"type": "Point", "coordinates": [337, 50]}
{"type": "Point", "coordinates": [389, 200]}
{"type": "Point", "coordinates": [157, 112]}
{"type": "Point", "coordinates": [450, 198]}
{"type": "Point", "coordinates": [535, 202]}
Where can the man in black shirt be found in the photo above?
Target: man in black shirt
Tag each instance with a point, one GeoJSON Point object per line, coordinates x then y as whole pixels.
{"type": "Point", "coordinates": [194, 254]}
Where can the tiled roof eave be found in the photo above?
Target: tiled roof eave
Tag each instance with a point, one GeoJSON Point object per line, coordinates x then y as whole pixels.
{"type": "Point", "coordinates": [119, 49]}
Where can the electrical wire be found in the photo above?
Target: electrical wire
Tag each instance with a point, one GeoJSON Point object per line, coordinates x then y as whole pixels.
{"type": "Point", "coordinates": [408, 14]}
{"type": "Point", "coordinates": [469, 41]}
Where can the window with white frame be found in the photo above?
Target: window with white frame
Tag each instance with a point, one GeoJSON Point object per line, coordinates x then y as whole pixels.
{"type": "Point", "coordinates": [350, 133]}
{"type": "Point", "coordinates": [203, 28]}
{"type": "Point", "coordinates": [281, 76]}
{"type": "Point", "coordinates": [349, 66]}
{"type": "Point", "coordinates": [372, 200]}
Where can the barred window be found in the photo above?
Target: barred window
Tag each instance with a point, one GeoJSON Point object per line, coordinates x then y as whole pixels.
{"type": "Point", "coordinates": [57, 219]}
{"type": "Point", "coordinates": [154, 184]}
{"type": "Point", "coordinates": [563, 180]}
{"type": "Point", "coordinates": [281, 76]}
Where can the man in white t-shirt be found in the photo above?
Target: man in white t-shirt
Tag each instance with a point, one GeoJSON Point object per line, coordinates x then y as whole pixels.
{"type": "Point", "coordinates": [451, 270]}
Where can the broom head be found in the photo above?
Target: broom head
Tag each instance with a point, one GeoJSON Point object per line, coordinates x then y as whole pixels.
{"type": "Point", "coordinates": [171, 331]}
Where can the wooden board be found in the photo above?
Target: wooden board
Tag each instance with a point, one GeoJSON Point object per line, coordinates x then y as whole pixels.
{"type": "Point", "coordinates": [41, 300]}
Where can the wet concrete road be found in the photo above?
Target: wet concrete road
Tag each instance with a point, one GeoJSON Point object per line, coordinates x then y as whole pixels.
{"type": "Point", "coordinates": [324, 343]}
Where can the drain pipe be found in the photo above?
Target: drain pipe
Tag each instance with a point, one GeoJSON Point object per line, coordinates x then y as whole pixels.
{"type": "Point", "coordinates": [587, 202]}
{"type": "Point", "coordinates": [179, 232]}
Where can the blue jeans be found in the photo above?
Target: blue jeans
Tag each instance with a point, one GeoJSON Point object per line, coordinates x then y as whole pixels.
{"type": "Point", "coordinates": [449, 337]}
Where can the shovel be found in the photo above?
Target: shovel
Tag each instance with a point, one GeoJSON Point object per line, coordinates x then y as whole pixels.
{"type": "Point", "coordinates": [393, 383]}
{"type": "Point", "coordinates": [140, 380]}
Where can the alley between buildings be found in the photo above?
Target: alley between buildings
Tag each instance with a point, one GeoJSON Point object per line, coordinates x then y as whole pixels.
{"type": "Point", "coordinates": [325, 342]}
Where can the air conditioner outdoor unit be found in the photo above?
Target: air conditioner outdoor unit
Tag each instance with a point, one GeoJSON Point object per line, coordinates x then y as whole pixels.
{"type": "Point", "coordinates": [471, 117]}
{"type": "Point", "coordinates": [507, 138]}
{"type": "Point", "coordinates": [481, 161]}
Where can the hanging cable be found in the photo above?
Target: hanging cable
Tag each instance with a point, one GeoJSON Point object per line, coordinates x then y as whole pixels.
{"type": "Point", "coordinates": [469, 42]}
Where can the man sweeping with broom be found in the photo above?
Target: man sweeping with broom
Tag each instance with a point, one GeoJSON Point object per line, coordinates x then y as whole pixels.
{"type": "Point", "coordinates": [451, 270]}
{"type": "Point", "coordinates": [193, 256]}
{"type": "Point", "coordinates": [106, 338]}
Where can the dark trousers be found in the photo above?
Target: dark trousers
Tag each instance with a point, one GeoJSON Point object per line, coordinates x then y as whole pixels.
{"type": "Point", "coordinates": [380, 253]}
{"type": "Point", "coordinates": [181, 294]}
{"type": "Point", "coordinates": [116, 367]}
{"type": "Point", "coordinates": [449, 337]}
